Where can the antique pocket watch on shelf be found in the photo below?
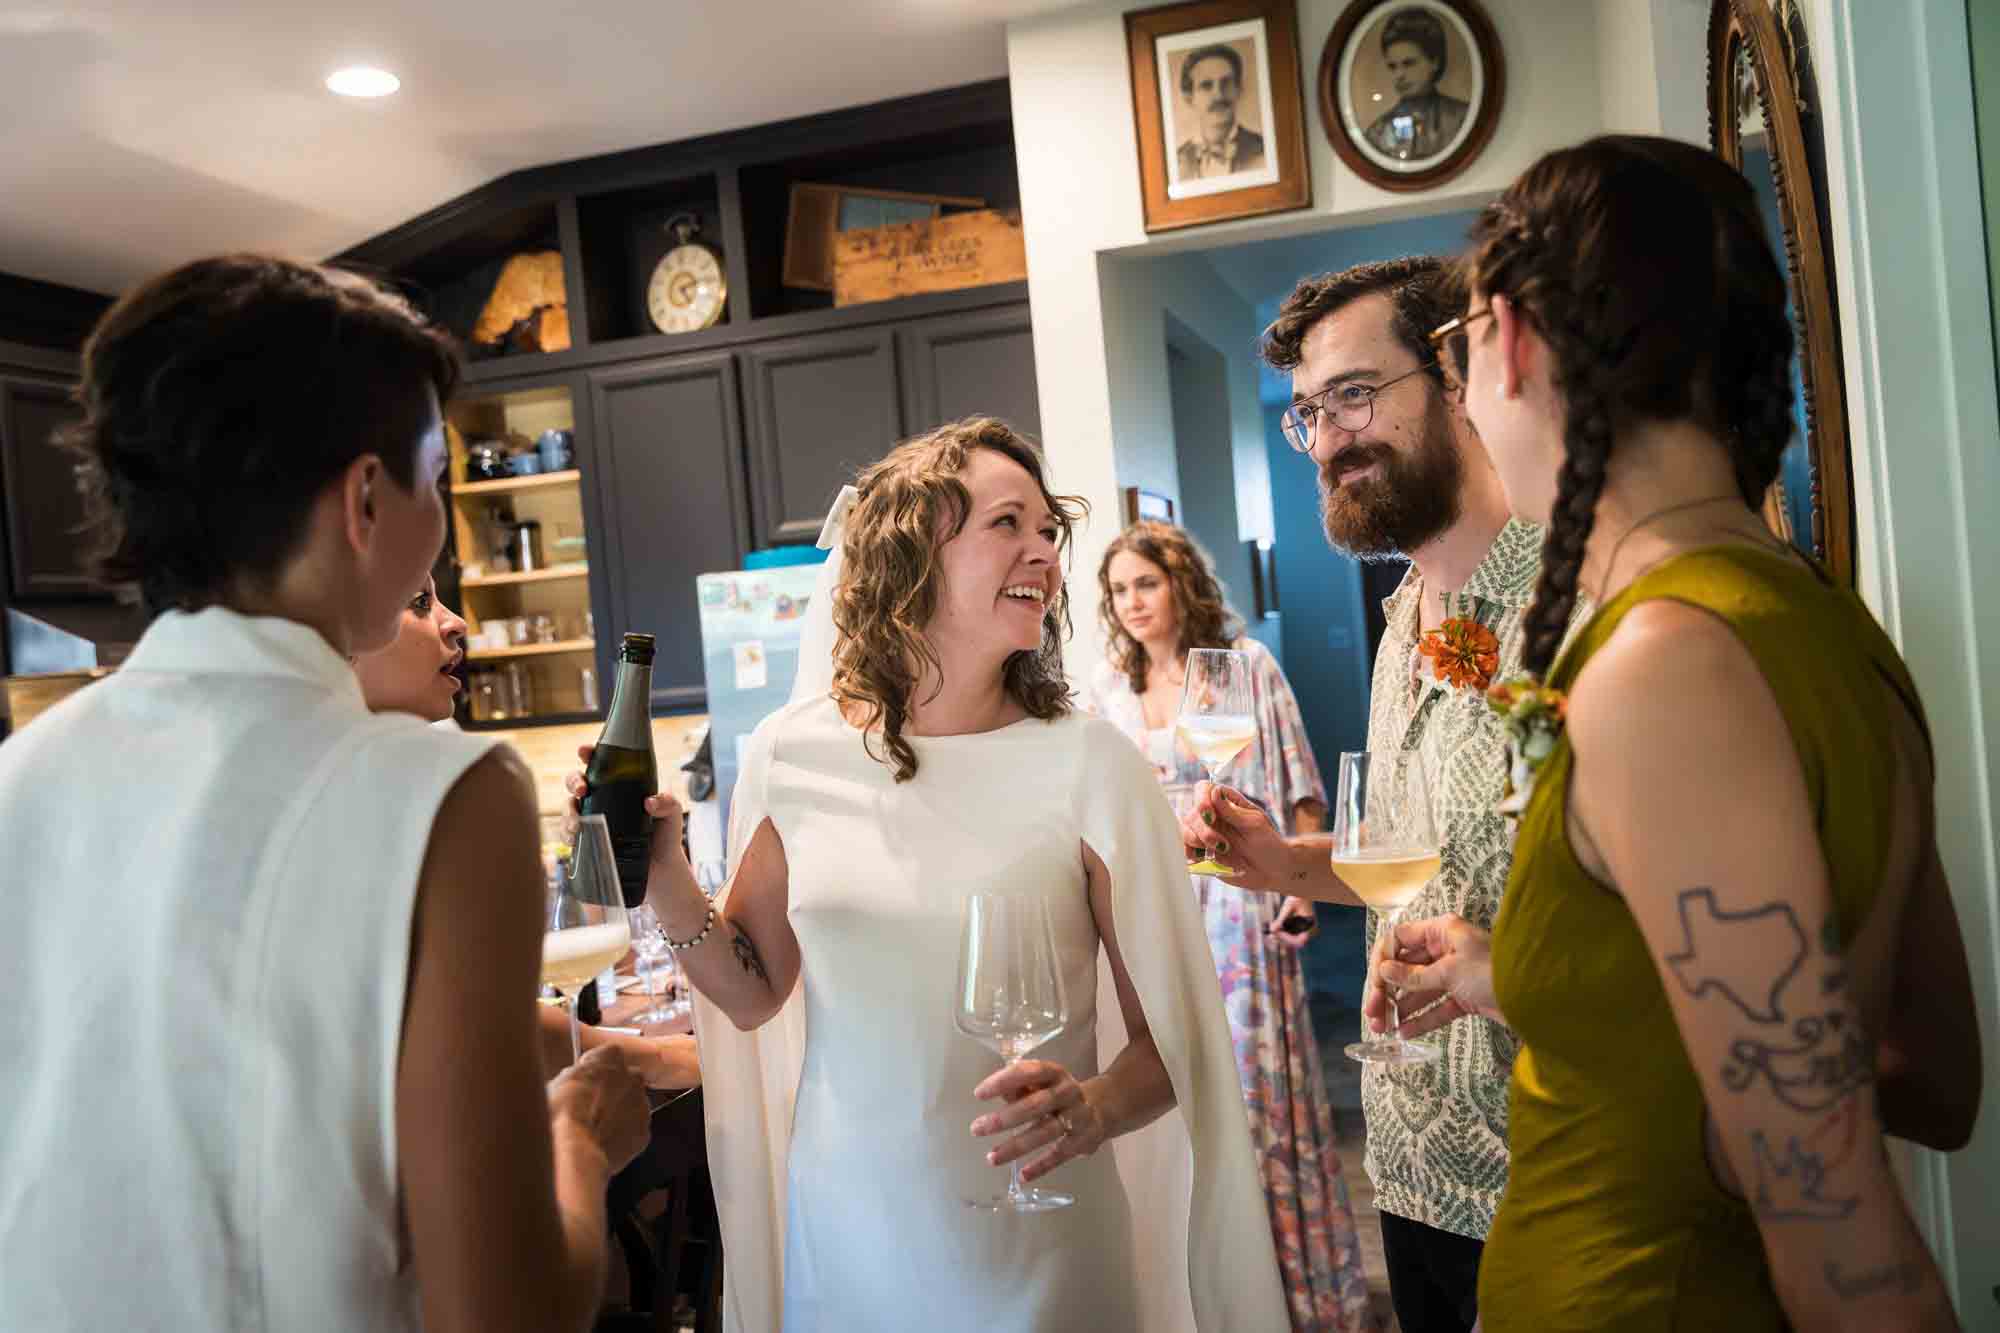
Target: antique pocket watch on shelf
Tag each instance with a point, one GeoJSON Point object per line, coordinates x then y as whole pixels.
{"type": "Point", "coordinates": [688, 290]}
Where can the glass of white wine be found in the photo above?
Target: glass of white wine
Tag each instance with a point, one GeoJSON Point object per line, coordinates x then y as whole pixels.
{"type": "Point", "coordinates": [1385, 848]}
{"type": "Point", "coordinates": [586, 930]}
{"type": "Point", "coordinates": [1217, 720]}
{"type": "Point", "coordinates": [1011, 1000]}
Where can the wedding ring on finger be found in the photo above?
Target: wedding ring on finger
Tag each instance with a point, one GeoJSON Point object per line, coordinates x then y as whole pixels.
{"type": "Point", "coordinates": [1062, 1118]}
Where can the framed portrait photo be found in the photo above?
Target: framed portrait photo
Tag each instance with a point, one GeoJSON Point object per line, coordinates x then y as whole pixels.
{"type": "Point", "coordinates": [1218, 104]}
{"type": "Point", "coordinates": [1410, 90]}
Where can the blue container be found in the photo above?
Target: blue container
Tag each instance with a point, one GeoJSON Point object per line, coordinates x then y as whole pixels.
{"type": "Point", "coordinates": [525, 464]}
{"type": "Point", "coordinates": [778, 557]}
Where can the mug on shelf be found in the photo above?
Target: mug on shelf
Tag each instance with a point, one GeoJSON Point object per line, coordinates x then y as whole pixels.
{"type": "Point", "coordinates": [556, 450]}
{"type": "Point", "coordinates": [526, 463]}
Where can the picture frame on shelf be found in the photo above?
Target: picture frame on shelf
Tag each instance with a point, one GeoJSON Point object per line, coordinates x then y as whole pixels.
{"type": "Point", "coordinates": [1220, 111]}
{"type": "Point", "coordinates": [1140, 503]}
{"type": "Point", "coordinates": [817, 214]}
{"type": "Point", "coordinates": [1410, 91]}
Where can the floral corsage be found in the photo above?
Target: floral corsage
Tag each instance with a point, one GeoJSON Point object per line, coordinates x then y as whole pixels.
{"type": "Point", "coordinates": [1533, 715]}
{"type": "Point", "coordinates": [1463, 653]}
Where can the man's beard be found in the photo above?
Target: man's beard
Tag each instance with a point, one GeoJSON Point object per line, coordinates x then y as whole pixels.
{"type": "Point", "coordinates": [1410, 500]}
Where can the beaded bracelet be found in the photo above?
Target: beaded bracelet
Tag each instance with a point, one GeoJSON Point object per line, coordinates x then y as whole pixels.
{"type": "Point", "coordinates": [706, 926]}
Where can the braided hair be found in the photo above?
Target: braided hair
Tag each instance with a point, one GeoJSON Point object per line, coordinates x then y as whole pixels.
{"type": "Point", "coordinates": [1644, 266]}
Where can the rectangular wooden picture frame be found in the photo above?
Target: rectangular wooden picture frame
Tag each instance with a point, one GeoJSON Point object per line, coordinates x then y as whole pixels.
{"type": "Point", "coordinates": [1220, 111]}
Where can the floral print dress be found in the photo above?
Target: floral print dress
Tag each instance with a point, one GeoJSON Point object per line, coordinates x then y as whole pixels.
{"type": "Point", "coordinates": [1264, 993]}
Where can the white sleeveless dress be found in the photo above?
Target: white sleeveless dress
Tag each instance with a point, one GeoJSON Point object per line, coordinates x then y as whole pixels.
{"type": "Point", "coordinates": [839, 1132]}
{"type": "Point", "coordinates": [210, 861]}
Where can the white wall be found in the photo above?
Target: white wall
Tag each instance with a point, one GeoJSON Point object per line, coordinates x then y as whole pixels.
{"type": "Point", "coordinates": [1653, 58]}
{"type": "Point", "coordinates": [1079, 172]}
{"type": "Point", "coordinates": [1138, 296]}
{"type": "Point", "coordinates": [1909, 260]}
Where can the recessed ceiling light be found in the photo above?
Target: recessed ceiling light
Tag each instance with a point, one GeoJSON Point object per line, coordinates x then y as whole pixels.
{"type": "Point", "coordinates": [363, 81]}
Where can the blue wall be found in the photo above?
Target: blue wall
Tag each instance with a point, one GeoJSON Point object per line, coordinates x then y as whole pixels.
{"type": "Point", "coordinates": [1796, 471]}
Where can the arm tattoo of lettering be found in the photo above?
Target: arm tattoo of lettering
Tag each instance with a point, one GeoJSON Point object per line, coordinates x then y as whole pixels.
{"type": "Point", "coordinates": [1805, 1044]}
{"type": "Point", "coordinates": [1791, 1187]}
{"type": "Point", "coordinates": [747, 955]}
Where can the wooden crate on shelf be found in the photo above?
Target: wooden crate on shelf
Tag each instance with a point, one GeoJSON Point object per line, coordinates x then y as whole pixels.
{"type": "Point", "coordinates": [941, 254]}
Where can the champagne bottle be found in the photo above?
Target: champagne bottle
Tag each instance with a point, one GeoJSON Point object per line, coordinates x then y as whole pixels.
{"type": "Point", "coordinates": [622, 771]}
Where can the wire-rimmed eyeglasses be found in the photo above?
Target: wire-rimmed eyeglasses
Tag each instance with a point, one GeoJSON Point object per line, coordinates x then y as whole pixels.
{"type": "Point", "coordinates": [1352, 408]}
{"type": "Point", "coordinates": [1449, 342]}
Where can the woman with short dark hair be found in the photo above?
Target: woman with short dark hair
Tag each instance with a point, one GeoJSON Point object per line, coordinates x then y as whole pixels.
{"type": "Point", "coordinates": [314, 1098]}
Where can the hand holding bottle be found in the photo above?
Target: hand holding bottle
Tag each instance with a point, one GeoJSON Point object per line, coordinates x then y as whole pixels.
{"type": "Point", "coordinates": [663, 808]}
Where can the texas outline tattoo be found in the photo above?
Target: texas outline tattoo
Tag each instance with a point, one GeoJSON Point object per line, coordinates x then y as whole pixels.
{"type": "Point", "coordinates": [1777, 936]}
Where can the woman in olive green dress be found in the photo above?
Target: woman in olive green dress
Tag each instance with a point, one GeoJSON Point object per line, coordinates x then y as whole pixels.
{"type": "Point", "coordinates": [1727, 944]}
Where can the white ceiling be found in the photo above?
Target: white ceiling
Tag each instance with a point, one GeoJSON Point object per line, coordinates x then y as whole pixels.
{"type": "Point", "coordinates": [141, 134]}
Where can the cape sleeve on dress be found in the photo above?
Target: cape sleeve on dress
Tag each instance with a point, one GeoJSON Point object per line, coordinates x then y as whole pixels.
{"type": "Point", "coordinates": [1201, 1230]}
{"type": "Point", "coordinates": [748, 1082]}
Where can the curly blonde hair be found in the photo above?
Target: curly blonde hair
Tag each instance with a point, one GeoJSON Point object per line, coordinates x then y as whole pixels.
{"type": "Point", "coordinates": [1199, 599]}
{"type": "Point", "coordinates": [911, 504]}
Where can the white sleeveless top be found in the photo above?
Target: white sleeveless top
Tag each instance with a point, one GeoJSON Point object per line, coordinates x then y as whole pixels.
{"type": "Point", "coordinates": [210, 861]}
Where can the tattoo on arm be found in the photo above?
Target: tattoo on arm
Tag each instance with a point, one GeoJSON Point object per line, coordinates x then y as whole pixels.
{"type": "Point", "coordinates": [747, 955]}
{"type": "Point", "coordinates": [1805, 1044]}
{"type": "Point", "coordinates": [1904, 1277]}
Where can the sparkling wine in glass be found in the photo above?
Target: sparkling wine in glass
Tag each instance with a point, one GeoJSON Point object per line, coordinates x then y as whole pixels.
{"type": "Point", "coordinates": [1385, 848]}
{"type": "Point", "coordinates": [1217, 720]}
{"type": "Point", "coordinates": [1010, 1000]}
{"type": "Point", "coordinates": [587, 929]}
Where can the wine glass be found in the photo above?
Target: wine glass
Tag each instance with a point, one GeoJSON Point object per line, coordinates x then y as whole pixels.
{"type": "Point", "coordinates": [1010, 1000]}
{"type": "Point", "coordinates": [587, 930]}
{"type": "Point", "coordinates": [1385, 848]}
{"type": "Point", "coordinates": [1216, 720]}
{"type": "Point", "coordinates": [651, 959]}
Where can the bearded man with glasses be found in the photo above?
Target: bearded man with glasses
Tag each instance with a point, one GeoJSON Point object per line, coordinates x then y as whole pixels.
{"type": "Point", "coordinates": [1376, 406]}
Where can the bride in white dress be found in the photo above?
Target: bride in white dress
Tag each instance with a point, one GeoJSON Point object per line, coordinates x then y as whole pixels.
{"type": "Point", "coordinates": [847, 1119]}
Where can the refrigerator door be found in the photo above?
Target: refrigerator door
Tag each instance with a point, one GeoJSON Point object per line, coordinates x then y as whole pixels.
{"type": "Point", "coordinates": [750, 623]}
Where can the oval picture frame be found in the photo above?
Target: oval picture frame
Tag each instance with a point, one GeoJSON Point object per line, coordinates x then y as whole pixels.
{"type": "Point", "coordinates": [1418, 141]}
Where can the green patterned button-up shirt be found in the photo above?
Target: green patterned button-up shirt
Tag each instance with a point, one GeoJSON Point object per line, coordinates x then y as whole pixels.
{"type": "Point", "coordinates": [1437, 1132]}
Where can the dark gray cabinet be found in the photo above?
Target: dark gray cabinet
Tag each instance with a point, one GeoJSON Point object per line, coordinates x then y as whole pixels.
{"type": "Point", "coordinates": [820, 408]}
{"type": "Point", "coordinates": [667, 443]}
{"type": "Point", "coordinates": [43, 502]}
{"type": "Point", "coordinates": [978, 364]}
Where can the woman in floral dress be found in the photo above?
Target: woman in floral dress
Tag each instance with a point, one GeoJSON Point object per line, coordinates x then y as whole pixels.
{"type": "Point", "coordinates": [1161, 599]}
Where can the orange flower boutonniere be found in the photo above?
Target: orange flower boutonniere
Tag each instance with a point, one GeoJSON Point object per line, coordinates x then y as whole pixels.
{"type": "Point", "coordinates": [1463, 653]}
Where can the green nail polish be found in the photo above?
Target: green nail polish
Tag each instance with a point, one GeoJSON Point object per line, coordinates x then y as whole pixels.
{"type": "Point", "coordinates": [1208, 817]}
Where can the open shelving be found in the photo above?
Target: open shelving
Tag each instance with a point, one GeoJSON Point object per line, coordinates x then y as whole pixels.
{"type": "Point", "coordinates": [551, 675]}
{"type": "Point", "coordinates": [606, 216]}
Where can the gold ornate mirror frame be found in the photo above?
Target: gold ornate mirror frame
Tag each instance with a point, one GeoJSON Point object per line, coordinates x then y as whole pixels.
{"type": "Point", "coordinates": [1751, 53]}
